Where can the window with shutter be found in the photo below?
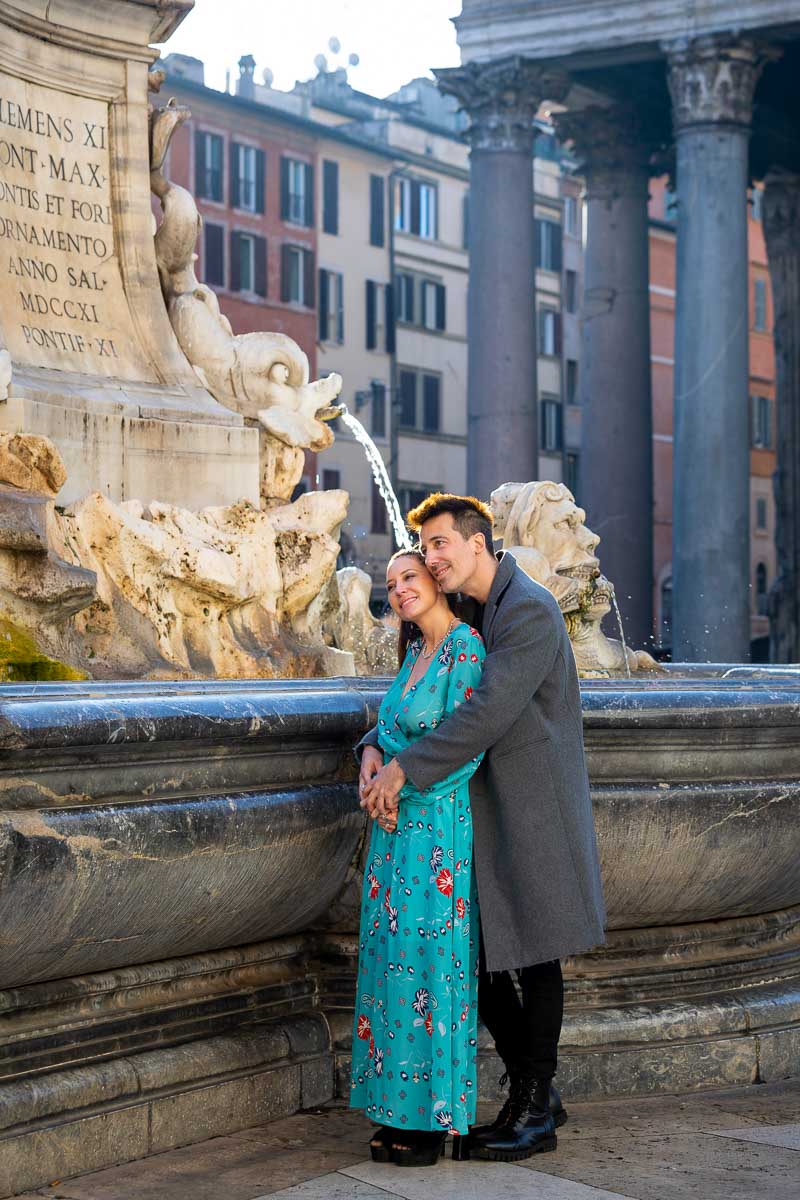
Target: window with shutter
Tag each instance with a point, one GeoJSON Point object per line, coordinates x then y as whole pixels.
{"type": "Point", "coordinates": [430, 403]}
{"type": "Point", "coordinates": [572, 381]}
{"type": "Point", "coordinates": [260, 266]}
{"type": "Point", "coordinates": [330, 197]}
{"type": "Point", "coordinates": [285, 189]}
{"type": "Point", "coordinates": [235, 261]}
{"type": "Point", "coordinates": [404, 290]}
{"type": "Point", "coordinates": [297, 275]}
{"type": "Point", "coordinates": [371, 314]}
{"type": "Point", "coordinates": [297, 192]}
{"type": "Point", "coordinates": [571, 291]}
{"type": "Point", "coordinates": [402, 217]}
{"type": "Point", "coordinates": [208, 151]}
{"type": "Point", "coordinates": [378, 397]}
{"type": "Point", "coordinates": [761, 422]}
{"type": "Point", "coordinates": [388, 301]}
{"type": "Point", "coordinates": [548, 331]}
{"type": "Point", "coordinates": [245, 163]}
{"type": "Point", "coordinates": [427, 211]}
{"type": "Point", "coordinates": [331, 306]}
{"type": "Point", "coordinates": [376, 210]}
{"type": "Point", "coordinates": [379, 517]}
{"type": "Point", "coordinates": [428, 303]}
{"type": "Point", "coordinates": [286, 267]}
{"type": "Point", "coordinates": [441, 302]}
{"type": "Point", "coordinates": [214, 254]}
{"type": "Point", "coordinates": [234, 175]}
{"type": "Point", "coordinates": [548, 245]}
{"type": "Point", "coordinates": [408, 399]}
{"type": "Point", "coordinates": [308, 196]}
{"type": "Point", "coordinates": [550, 420]}
{"type": "Point", "coordinates": [322, 313]}
{"type": "Point", "coordinates": [340, 309]}
{"type": "Point", "coordinates": [309, 290]}
{"type": "Point", "coordinates": [261, 171]}
{"type": "Point", "coordinates": [246, 244]}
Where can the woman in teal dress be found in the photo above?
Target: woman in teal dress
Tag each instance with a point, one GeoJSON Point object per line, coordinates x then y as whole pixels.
{"type": "Point", "coordinates": [415, 1031]}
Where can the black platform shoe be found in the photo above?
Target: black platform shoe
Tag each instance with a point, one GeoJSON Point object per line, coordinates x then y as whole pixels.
{"type": "Point", "coordinates": [528, 1126]}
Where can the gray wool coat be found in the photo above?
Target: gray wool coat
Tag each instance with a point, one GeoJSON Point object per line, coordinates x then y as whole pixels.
{"type": "Point", "coordinates": [535, 849]}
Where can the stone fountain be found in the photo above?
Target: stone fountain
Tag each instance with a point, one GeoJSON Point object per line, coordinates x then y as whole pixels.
{"type": "Point", "coordinates": [179, 854]}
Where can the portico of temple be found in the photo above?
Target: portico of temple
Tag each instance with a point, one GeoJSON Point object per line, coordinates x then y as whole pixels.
{"type": "Point", "coordinates": [642, 91]}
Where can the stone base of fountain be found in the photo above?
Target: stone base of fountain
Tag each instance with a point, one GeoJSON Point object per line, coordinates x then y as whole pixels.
{"type": "Point", "coordinates": [180, 883]}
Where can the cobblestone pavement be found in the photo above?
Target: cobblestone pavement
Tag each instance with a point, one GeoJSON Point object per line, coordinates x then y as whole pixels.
{"type": "Point", "coordinates": [731, 1145]}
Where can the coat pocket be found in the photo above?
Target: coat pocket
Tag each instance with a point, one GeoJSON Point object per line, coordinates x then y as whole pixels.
{"type": "Point", "coordinates": [521, 747]}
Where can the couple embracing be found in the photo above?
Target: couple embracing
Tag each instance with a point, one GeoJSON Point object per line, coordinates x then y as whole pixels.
{"type": "Point", "coordinates": [482, 871]}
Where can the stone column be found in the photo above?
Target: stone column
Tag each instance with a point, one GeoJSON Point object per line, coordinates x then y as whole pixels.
{"type": "Point", "coordinates": [711, 81]}
{"type": "Point", "coordinates": [502, 98]}
{"type": "Point", "coordinates": [617, 427]}
{"type": "Point", "coordinates": [782, 233]}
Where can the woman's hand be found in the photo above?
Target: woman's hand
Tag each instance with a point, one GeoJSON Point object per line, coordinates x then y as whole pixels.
{"type": "Point", "coordinates": [371, 763]}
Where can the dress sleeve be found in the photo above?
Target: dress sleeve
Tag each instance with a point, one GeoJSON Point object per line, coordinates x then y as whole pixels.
{"type": "Point", "coordinates": [468, 653]}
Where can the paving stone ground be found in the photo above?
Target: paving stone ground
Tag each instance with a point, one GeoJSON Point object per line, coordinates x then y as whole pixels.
{"type": "Point", "coordinates": [732, 1145]}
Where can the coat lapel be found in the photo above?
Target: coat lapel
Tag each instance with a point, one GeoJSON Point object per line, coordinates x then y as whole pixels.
{"type": "Point", "coordinates": [507, 565]}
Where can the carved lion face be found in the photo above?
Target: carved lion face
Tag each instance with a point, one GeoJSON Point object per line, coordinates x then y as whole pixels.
{"type": "Point", "coordinates": [562, 537]}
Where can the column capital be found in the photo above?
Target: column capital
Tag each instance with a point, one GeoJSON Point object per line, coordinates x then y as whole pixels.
{"type": "Point", "coordinates": [781, 213]}
{"type": "Point", "coordinates": [502, 97]}
{"type": "Point", "coordinates": [612, 144]}
{"type": "Point", "coordinates": [712, 79]}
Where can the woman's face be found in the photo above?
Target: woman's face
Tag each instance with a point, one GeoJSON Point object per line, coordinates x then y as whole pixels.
{"type": "Point", "coordinates": [411, 588]}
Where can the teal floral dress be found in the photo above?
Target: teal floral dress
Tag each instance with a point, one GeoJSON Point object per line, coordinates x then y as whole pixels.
{"type": "Point", "coordinates": [415, 1033]}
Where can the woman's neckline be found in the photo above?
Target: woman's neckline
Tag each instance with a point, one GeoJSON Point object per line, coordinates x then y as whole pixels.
{"type": "Point", "coordinates": [434, 658]}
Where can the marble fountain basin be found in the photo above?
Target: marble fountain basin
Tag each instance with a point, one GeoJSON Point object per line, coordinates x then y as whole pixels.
{"type": "Point", "coordinates": [179, 887]}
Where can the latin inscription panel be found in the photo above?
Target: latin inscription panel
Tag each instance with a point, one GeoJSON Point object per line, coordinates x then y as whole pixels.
{"type": "Point", "coordinates": [62, 303]}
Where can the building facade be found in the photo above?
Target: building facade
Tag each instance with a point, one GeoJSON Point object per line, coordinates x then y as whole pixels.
{"type": "Point", "coordinates": [343, 220]}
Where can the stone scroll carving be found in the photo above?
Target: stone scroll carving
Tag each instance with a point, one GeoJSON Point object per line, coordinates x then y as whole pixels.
{"type": "Point", "coordinates": [545, 530]}
{"type": "Point", "coordinates": [263, 376]}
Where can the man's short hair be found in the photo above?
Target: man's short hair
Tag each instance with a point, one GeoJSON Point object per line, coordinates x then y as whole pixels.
{"type": "Point", "coordinates": [469, 515]}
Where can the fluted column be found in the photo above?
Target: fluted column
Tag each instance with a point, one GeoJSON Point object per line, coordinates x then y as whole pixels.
{"type": "Point", "coordinates": [781, 211]}
{"type": "Point", "coordinates": [711, 81]}
{"type": "Point", "coordinates": [502, 98]}
{"type": "Point", "coordinates": [617, 427]}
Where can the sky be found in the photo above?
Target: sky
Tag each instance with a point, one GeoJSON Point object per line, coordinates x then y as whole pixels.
{"type": "Point", "coordinates": [395, 40]}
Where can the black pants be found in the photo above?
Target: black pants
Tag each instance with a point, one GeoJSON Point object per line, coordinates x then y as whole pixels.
{"type": "Point", "coordinates": [525, 1030]}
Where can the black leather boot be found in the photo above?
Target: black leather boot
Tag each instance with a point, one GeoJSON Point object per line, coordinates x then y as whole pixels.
{"type": "Point", "coordinates": [528, 1124]}
{"type": "Point", "coordinates": [560, 1115]}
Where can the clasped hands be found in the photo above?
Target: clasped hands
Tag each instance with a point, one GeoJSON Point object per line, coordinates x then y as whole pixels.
{"type": "Point", "coordinates": [379, 788]}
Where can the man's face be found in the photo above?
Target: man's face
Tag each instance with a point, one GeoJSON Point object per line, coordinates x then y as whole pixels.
{"type": "Point", "coordinates": [450, 558]}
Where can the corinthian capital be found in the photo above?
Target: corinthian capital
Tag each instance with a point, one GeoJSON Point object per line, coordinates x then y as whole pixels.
{"type": "Point", "coordinates": [502, 98]}
{"type": "Point", "coordinates": [712, 79]}
{"type": "Point", "coordinates": [609, 140]}
{"type": "Point", "coordinates": [781, 213]}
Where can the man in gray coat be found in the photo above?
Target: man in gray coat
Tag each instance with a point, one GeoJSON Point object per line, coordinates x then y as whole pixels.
{"type": "Point", "coordinates": [535, 850]}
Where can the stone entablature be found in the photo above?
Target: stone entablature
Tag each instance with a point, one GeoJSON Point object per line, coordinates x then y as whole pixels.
{"type": "Point", "coordinates": [623, 31]}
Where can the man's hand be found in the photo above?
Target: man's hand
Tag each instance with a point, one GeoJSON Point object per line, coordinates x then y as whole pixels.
{"type": "Point", "coordinates": [382, 793]}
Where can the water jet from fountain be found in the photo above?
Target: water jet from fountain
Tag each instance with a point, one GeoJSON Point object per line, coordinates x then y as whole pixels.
{"type": "Point", "coordinates": [381, 477]}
